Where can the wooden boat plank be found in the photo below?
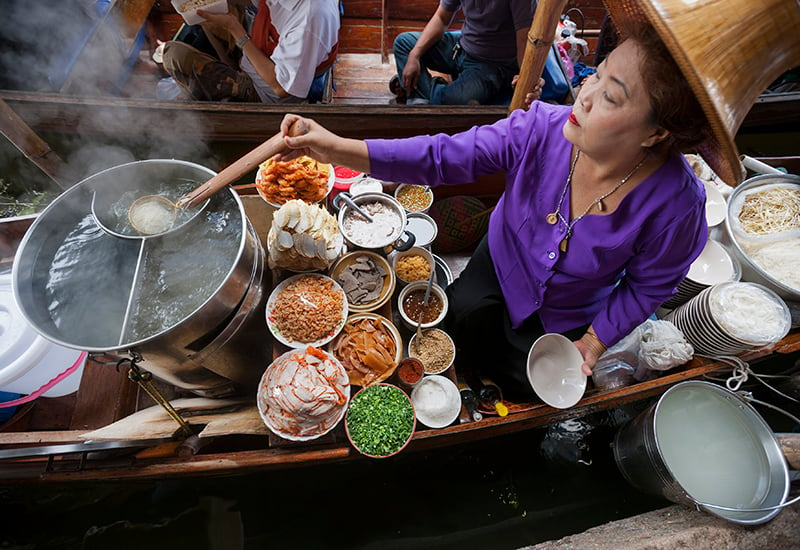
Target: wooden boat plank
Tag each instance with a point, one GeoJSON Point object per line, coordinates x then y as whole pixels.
{"type": "Point", "coordinates": [246, 461]}
{"type": "Point", "coordinates": [50, 437]}
{"type": "Point", "coordinates": [121, 117]}
{"type": "Point", "coordinates": [219, 416]}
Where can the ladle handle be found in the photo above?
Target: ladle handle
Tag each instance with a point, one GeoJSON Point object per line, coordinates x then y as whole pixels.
{"type": "Point", "coordinates": [242, 166]}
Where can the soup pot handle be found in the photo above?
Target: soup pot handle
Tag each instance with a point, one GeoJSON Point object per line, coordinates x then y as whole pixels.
{"type": "Point", "coordinates": [401, 245]}
{"type": "Point", "coordinates": [336, 202]}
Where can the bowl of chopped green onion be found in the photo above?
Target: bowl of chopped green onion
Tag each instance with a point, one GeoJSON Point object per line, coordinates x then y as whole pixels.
{"type": "Point", "coordinates": [380, 420]}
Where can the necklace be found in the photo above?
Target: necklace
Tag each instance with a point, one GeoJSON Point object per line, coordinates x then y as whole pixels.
{"type": "Point", "coordinates": [553, 217]}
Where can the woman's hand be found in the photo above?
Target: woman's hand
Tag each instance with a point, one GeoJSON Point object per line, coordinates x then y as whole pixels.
{"type": "Point", "coordinates": [531, 96]}
{"type": "Point", "coordinates": [303, 136]}
{"type": "Point", "coordinates": [307, 137]}
{"type": "Point", "coordinates": [591, 349]}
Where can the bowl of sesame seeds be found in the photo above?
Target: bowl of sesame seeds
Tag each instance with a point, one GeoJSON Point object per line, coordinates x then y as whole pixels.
{"type": "Point", "coordinates": [414, 198]}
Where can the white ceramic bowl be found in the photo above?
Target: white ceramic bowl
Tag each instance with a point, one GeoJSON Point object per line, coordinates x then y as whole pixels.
{"type": "Point", "coordinates": [290, 411]}
{"type": "Point", "coordinates": [280, 333]}
{"type": "Point", "coordinates": [554, 371]}
{"type": "Point", "coordinates": [188, 9]}
{"type": "Point", "coordinates": [331, 181]}
{"type": "Point", "coordinates": [423, 227]}
{"type": "Point", "coordinates": [418, 286]}
{"type": "Point", "coordinates": [716, 207]}
{"type": "Point", "coordinates": [437, 401]}
{"type": "Point", "coordinates": [712, 266]}
{"type": "Point", "coordinates": [413, 251]}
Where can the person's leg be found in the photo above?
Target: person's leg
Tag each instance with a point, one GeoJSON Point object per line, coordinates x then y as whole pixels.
{"type": "Point", "coordinates": [478, 322]}
{"type": "Point", "coordinates": [203, 77]}
{"type": "Point", "coordinates": [477, 82]}
{"type": "Point", "coordinates": [474, 314]}
{"type": "Point", "coordinates": [438, 58]}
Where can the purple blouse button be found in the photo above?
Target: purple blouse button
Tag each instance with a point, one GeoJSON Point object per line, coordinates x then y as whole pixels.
{"type": "Point", "coordinates": [551, 255]}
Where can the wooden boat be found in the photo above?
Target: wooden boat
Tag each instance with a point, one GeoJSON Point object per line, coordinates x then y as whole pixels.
{"type": "Point", "coordinates": [126, 103]}
{"type": "Point", "coordinates": [91, 435]}
{"type": "Point", "coordinates": [49, 435]}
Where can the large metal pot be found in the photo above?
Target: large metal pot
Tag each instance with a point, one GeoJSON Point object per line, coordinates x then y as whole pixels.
{"type": "Point", "coordinates": [187, 302]}
{"type": "Point", "coordinates": [750, 270]}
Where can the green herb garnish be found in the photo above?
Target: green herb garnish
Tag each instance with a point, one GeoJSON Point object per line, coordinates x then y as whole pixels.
{"type": "Point", "coordinates": [380, 420]}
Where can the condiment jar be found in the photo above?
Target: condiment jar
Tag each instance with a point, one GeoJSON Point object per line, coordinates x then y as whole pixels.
{"type": "Point", "coordinates": [409, 373]}
{"type": "Point", "coordinates": [345, 178]}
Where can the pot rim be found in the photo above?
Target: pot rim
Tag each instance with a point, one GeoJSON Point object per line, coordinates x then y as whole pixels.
{"type": "Point", "coordinates": [750, 183]}
{"type": "Point", "coordinates": [370, 197]}
{"type": "Point", "coordinates": [84, 186]}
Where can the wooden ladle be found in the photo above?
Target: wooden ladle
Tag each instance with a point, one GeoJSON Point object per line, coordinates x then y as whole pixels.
{"type": "Point", "coordinates": [234, 171]}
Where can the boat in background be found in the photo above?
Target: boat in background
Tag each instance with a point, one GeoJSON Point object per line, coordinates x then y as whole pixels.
{"type": "Point", "coordinates": [102, 81]}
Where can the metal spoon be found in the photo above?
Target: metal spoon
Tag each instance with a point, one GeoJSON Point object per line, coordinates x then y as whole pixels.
{"type": "Point", "coordinates": [352, 204]}
{"type": "Point", "coordinates": [424, 305]}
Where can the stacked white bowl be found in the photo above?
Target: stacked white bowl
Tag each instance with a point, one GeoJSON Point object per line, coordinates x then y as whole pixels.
{"type": "Point", "coordinates": [714, 265]}
{"type": "Point", "coordinates": [732, 317]}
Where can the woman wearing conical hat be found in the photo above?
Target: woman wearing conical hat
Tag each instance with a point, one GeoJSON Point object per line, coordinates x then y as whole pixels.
{"type": "Point", "coordinates": [601, 215]}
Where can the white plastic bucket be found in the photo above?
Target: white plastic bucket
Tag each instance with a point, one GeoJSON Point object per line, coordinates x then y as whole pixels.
{"type": "Point", "coordinates": [27, 360]}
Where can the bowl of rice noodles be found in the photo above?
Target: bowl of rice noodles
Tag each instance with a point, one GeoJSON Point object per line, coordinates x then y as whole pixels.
{"type": "Point", "coordinates": [763, 224]}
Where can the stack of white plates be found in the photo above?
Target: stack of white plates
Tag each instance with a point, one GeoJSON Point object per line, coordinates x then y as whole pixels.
{"type": "Point", "coordinates": [732, 317]}
{"type": "Point", "coordinates": [714, 265]}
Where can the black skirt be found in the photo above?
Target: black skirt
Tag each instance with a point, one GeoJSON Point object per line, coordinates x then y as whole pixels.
{"type": "Point", "coordinates": [478, 321]}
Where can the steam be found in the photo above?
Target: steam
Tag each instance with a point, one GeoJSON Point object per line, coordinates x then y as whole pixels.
{"type": "Point", "coordinates": [78, 48]}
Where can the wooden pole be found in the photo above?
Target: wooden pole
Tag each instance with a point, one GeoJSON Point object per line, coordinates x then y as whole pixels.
{"type": "Point", "coordinates": [32, 146]}
{"type": "Point", "coordinates": [540, 40]}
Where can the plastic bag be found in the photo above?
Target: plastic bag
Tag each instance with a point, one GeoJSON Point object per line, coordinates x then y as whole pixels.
{"type": "Point", "coordinates": [655, 345]}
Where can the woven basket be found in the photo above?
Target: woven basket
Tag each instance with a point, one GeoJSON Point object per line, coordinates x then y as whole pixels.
{"type": "Point", "coordinates": [462, 222]}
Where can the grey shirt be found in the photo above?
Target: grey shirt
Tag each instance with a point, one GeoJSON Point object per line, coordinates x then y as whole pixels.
{"type": "Point", "coordinates": [489, 30]}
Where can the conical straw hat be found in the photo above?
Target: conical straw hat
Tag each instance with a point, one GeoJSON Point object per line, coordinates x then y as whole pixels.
{"type": "Point", "coordinates": [729, 51]}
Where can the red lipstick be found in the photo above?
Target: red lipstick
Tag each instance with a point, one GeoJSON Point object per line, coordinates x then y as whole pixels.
{"type": "Point", "coordinates": [573, 120]}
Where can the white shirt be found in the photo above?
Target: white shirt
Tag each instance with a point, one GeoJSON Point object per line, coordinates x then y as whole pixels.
{"type": "Point", "coordinates": [308, 31]}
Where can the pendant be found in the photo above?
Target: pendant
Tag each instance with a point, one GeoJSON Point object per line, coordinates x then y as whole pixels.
{"type": "Point", "coordinates": [563, 245]}
{"type": "Point", "coordinates": [600, 205]}
{"type": "Point", "coordinates": [551, 218]}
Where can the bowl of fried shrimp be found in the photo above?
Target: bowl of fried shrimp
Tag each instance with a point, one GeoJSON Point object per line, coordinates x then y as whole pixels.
{"type": "Point", "coordinates": [278, 182]}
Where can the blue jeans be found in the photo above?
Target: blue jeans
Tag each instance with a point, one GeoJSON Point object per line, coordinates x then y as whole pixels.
{"type": "Point", "coordinates": [473, 80]}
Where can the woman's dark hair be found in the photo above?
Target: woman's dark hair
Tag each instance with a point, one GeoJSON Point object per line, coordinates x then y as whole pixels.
{"type": "Point", "coordinates": [673, 103]}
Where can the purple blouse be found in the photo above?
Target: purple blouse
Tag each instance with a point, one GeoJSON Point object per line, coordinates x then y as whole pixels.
{"type": "Point", "coordinates": [618, 269]}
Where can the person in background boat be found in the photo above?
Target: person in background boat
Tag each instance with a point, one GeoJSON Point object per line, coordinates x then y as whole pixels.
{"type": "Point", "coordinates": [291, 45]}
{"type": "Point", "coordinates": [482, 58]}
{"type": "Point", "coordinates": [599, 221]}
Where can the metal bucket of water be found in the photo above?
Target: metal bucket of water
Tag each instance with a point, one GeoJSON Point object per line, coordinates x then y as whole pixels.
{"type": "Point", "coordinates": [704, 446]}
{"type": "Point", "coordinates": [190, 302]}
